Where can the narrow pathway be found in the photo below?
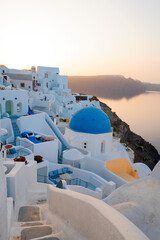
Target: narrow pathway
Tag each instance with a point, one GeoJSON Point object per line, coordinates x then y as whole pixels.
{"type": "Point", "coordinates": [30, 225]}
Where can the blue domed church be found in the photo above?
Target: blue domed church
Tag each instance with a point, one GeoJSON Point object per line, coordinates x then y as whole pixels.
{"type": "Point", "coordinates": [90, 129]}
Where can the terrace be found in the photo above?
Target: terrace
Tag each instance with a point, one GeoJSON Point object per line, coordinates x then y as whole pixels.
{"type": "Point", "coordinates": [10, 151]}
{"type": "Point", "coordinates": [79, 180]}
{"type": "Point", "coordinates": [60, 174]}
{"type": "Point", "coordinates": [66, 174]}
{"type": "Point", "coordinates": [37, 137]}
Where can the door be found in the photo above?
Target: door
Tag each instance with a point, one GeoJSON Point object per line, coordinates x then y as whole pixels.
{"type": "Point", "coordinates": [9, 107]}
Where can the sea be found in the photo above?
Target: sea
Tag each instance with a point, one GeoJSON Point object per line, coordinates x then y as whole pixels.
{"type": "Point", "coordinates": [141, 113]}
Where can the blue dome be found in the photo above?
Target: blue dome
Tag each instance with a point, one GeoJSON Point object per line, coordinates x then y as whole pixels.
{"type": "Point", "coordinates": [90, 120]}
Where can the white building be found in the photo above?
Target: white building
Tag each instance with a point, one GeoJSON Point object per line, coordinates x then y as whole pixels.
{"type": "Point", "coordinates": [53, 96]}
{"type": "Point", "coordinates": [13, 102]}
{"type": "Point", "coordinates": [24, 79]}
{"type": "Point", "coordinates": [90, 129]}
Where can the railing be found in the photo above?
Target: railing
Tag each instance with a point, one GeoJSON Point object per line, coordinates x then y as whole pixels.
{"type": "Point", "coordinates": [27, 144]}
{"type": "Point", "coordinates": [80, 182]}
{"type": "Point", "coordinates": [57, 132]}
{"type": "Point", "coordinates": [20, 150]}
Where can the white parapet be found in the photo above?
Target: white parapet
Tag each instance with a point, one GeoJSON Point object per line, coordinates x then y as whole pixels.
{"type": "Point", "coordinates": [3, 205]}
{"type": "Point", "coordinates": [89, 218]}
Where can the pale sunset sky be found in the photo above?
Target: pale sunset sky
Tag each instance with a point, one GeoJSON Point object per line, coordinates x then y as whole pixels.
{"type": "Point", "coordinates": [83, 37]}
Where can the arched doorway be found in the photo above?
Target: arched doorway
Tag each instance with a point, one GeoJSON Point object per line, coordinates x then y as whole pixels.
{"type": "Point", "coordinates": [9, 107]}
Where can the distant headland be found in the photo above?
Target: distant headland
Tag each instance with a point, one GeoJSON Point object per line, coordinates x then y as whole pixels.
{"type": "Point", "coordinates": [110, 86]}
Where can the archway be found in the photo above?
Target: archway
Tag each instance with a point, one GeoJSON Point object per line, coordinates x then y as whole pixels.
{"type": "Point", "coordinates": [9, 107]}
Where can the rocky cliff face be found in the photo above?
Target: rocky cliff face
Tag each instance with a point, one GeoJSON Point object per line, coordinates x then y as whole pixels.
{"type": "Point", "coordinates": [144, 151]}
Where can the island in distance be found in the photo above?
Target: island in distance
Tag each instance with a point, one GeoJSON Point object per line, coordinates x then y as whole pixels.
{"type": "Point", "coordinates": [110, 86]}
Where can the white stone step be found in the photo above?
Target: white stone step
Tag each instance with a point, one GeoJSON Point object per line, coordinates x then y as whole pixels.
{"type": "Point", "coordinates": [49, 237]}
{"type": "Point", "coordinates": [29, 213]}
{"type": "Point", "coordinates": [35, 232]}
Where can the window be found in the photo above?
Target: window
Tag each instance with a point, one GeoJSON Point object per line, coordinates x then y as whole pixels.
{"type": "Point", "coordinates": [19, 107]}
{"type": "Point", "coordinates": [22, 84]}
{"type": "Point", "coordinates": [85, 145]}
{"type": "Point", "coordinates": [103, 146]}
{"type": "Point", "coordinates": [46, 75]}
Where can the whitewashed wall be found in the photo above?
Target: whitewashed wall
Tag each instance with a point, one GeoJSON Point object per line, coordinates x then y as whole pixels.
{"type": "Point", "coordinates": [22, 185]}
{"type": "Point", "coordinates": [35, 123]}
{"type": "Point", "coordinates": [48, 150]}
{"type": "Point", "coordinates": [93, 141]}
{"type": "Point", "coordinates": [3, 205]}
{"type": "Point", "coordinates": [90, 218]}
{"type": "Point", "coordinates": [98, 167]}
{"type": "Point", "coordinates": [16, 96]}
{"type": "Point", "coordinates": [42, 70]}
{"type": "Point", "coordinates": [6, 123]}
{"type": "Point", "coordinates": [86, 191]}
{"type": "Point", "coordinates": [28, 84]}
{"type": "Point", "coordinates": [106, 187]}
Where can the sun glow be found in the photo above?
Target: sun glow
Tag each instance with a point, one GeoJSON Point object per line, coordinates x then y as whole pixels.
{"type": "Point", "coordinates": [82, 37]}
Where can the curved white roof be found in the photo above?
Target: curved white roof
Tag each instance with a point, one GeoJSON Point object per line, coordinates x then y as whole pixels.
{"type": "Point", "coordinates": [73, 154]}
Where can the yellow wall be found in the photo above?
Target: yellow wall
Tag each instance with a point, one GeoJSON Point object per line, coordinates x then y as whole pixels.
{"type": "Point", "coordinates": [123, 169]}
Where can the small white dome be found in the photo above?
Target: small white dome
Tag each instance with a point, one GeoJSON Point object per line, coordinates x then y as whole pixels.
{"type": "Point", "coordinates": [73, 154]}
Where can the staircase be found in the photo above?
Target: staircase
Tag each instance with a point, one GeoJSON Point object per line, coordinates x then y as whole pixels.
{"type": "Point", "coordinates": [15, 129]}
{"type": "Point", "coordinates": [63, 146]}
{"type": "Point", "coordinates": [59, 135]}
{"type": "Point", "coordinates": [30, 226]}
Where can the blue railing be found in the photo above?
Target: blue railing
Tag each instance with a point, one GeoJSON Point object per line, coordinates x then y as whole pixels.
{"type": "Point", "coordinates": [59, 135]}
{"type": "Point", "coordinates": [82, 183]}
{"type": "Point", "coordinates": [54, 175]}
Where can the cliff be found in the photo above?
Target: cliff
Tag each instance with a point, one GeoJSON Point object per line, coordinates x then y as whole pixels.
{"type": "Point", "coordinates": [107, 86]}
{"type": "Point", "coordinates": [144, 151]}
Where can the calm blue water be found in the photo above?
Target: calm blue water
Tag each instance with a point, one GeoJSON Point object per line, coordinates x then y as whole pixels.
{"type": "Point", "coordinates": [142, 113]}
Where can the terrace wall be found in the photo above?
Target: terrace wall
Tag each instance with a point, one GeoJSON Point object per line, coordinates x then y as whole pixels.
{"type": "Point", "coordinates": [90, 218]}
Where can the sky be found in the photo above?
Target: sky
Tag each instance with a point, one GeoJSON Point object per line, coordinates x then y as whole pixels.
{"type": "Point", "coordinates": [83, 37]}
